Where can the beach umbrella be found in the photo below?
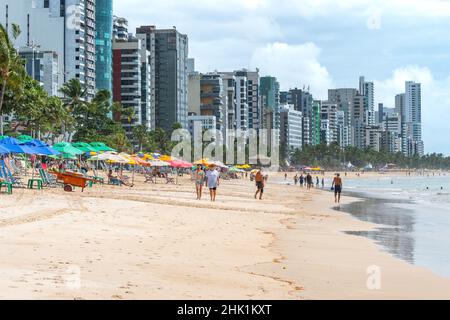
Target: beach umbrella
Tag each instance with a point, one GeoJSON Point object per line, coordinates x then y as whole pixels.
{"type": "Point", "coordinates": [41, 148]}
{"type": "Point", "coordinates": [100, 146]}
{"type": "Point", "coordinates": [158, 163]}
{"type": "Point", "coordinates": [67, 149]}
{"type": "Point", "coordinates": [13, 145]}
{"type": "Point", "coordinates": [204, 162]}
{"type": "Point", "coordinates": [83, 146]}
{"type": "Point", "coordinates": [180, 164]}
{"type": "Point", "coordinates": [3, 150]}
{"type": "Point", "coordinates": [24, 138]}
{"type": "Point", "coordinates": [165, 158]}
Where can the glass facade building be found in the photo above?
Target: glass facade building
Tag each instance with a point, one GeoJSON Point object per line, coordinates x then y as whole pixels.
{"type": "Point", "coordinates": [103, 43]}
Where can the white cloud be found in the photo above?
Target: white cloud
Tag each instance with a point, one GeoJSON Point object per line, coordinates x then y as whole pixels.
{"type": "Point", "coordinates": [435, 102]}
{"type": "Point", "coordinates": [294, 66]}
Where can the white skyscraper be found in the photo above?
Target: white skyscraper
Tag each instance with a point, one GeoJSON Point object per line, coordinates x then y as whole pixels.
{"type": "Point", "coordinates": [412, 119]}
{"type": "Point", "coordinates": [66, 28]}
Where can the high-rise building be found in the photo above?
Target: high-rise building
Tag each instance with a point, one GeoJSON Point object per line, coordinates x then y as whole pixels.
{"type": "Point", "coordinates": [328, 123]}
{"type": "Point", "coordinates": [194, 93]}
{"type": "Point", "coordinates": [132, 82]}
{"type": "Point", "coordinates": [103, 44]}
{"type": "Point", "coordinates": [42, 66]}
{"type": "Point", "coordinates": [64, 27]}
{"type": "Point", "coordinates": [290, 128]}
{"type": "Point", "coordinates": [120, 28]}
{"type": "Point", "coordinates": [169, 54]}
{"type": "Point", "coordinates": [411, 116]}
{"type": "Point", "coordinates": [367, 90]}
{"type": "Point", "coordinates": [344, 98]}
{"type": "Point", "coordinates": [212, 99]}
{"type": "Point", "coordinates": [243, 93]}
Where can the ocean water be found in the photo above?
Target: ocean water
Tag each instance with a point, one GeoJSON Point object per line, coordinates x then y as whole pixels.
{"type": "Point", "coordinates": [413, 214]}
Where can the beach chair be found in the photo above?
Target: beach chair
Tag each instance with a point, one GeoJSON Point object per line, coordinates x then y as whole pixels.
{"type": "Point", "coordinates": [150, 178]}
{"type": "Point", "coordinates": [48, 180]}
{"type": "Point", "coordinates": [5, 183]}
{"type": "Point", "coordinates": [170, 180]}
{"type": "Point", "coordinates": [8, 177]}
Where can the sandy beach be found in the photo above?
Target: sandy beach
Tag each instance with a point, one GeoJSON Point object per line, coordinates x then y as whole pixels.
{"type": "Point", "coordinates": [158, 242]}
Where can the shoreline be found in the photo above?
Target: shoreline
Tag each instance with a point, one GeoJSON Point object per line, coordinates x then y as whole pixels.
{"type": "Point", "coordinates": [157, 242]}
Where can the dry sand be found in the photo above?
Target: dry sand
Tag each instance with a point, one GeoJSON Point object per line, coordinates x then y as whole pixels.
{"type": "Point", "coordinates": [158, 242]}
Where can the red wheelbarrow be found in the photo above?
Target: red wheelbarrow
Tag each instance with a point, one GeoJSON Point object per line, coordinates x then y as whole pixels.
{"type": "Point", "coordinates": [72, 179]}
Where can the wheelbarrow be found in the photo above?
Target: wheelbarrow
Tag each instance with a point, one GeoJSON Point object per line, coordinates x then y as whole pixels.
{"type": "Point", "coordinates": [72, 179]}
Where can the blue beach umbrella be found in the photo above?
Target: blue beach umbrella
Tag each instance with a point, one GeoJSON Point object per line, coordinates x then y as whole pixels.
{"type": "Point", "coordinates": [41, 148]}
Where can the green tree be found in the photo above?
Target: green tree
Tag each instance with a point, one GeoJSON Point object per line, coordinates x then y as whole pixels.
{"type": "Point", "coordinates": [12, 70]}
{"type": "Point", "coordinates": [140, 133]}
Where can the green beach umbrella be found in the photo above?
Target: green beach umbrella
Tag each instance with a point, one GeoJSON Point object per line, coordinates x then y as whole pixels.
{"type": "Point", "coordinates": [68, 151]}
{"type": "Point", "coordinates": [83, 146]}
{"type": "Point", "coordinates": [24, 138]}
{"type": "Point", "coordinates": [100, 146]}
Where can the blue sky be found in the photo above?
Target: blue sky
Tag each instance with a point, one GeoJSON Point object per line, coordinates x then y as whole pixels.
{"type": "Point", "coordinates": [321, 43]}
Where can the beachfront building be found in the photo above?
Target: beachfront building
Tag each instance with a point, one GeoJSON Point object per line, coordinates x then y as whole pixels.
{"type": "Point", "coordinates": [328, 123]}
{"type": "Point", "coordinates": [168, 50]}
{"type": "Point", "coordinates": [213, 99]}
{"type": "Point", "coordinates": [120, 28]}
{"type": "Point", "coordinates": [103, 44]}
{"type": "Point", "coordinates": [367, 90]}
{"type": "Point", "coordinates": [242, 90]}
{"type": "Point", "coordinates": [290, 128]}
{"type": "Point", "coordinates": [373, 137]}
{"type": "Point", "coordinates": [270, 105]}
{"type": "Point", "coordinates": [132, 82]}
{"type": "Point", "coordinates": [194, 100]}
{"type": "Point", "coordinates": [357, 122]}
{"type": "Point", "coordinates": [66, 28]}
{"type": "Point", "coordinates": [42, 66]}
{"type": "Point", "coordinates": [206, 122]}
{"type": "Point", "coordinates": [315, 132]}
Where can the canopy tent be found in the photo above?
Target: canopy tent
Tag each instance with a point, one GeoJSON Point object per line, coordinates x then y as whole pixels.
{"type": "Point", "coordinates": [67, 150]}
{"type": "Point", "coordinates": [317, 169]}
{"type": "Point", "coordinates": [101, 147]}
{"type": "Point", "coordinates": [244, 166]}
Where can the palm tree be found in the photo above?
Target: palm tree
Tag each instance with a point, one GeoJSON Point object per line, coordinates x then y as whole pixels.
{"type": "Point", "coordinates": [12, 70]}
{"type": "Point", "coordinates": [74, 95]}
{"type": "Point", "coordinates": [141, 135]}
{"type": "Point", "coordinates": [116, 111]}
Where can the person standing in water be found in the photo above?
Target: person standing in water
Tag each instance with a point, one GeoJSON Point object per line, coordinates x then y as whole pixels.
{"type": "Point", "coordinates": [302, 180]}
{"type": "Point", "coordinates": [296, 179]}
{"type": "Point", "coordinates": [337, 185]}
{"type": "Point", "coordinates": [259, 180]}
{"type": "Point", "coordinates": [199, 180]}
{"type": "Point", "coordinates": [213, 182]}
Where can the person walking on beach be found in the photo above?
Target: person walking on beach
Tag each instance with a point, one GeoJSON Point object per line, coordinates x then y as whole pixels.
{"type": "Point", "coordinates": [259, 178]}
{"type": "Point", "coordinates": [199, 180]}
{"type": "Point", "coordinates": [337, 185]}
{"type": "Point", "coordinates": [317, 182]}
{"type": "Point", "coordinates": [309, 181]}
{"type": "Point", "coordinates": [213, 182]}
{"type": "Point", "coordinates": [296, 179]}
{"type": "Point", "coordinates": [302, 180]}
{"type": "Point", "coordinates": [323, 183]}
{"type": "Point", "coordinates": [285, 176]}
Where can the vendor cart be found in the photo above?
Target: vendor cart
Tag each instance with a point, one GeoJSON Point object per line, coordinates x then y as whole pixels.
{"type": "Point", "coordinates": [72, 179]}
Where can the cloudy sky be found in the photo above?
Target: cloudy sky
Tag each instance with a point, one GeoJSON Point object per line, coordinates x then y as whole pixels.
{"type": "Point", "coordinates": [320, 43]}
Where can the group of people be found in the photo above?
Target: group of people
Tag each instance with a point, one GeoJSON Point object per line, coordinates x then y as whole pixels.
{"type": "Point", "coordinates": [211, 179]}
{"type": "Point", "coordinates": [309, 183]}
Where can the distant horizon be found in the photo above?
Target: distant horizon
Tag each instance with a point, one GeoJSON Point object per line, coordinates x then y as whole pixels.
{"type": "Point", "coordinates": [326, 45]}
